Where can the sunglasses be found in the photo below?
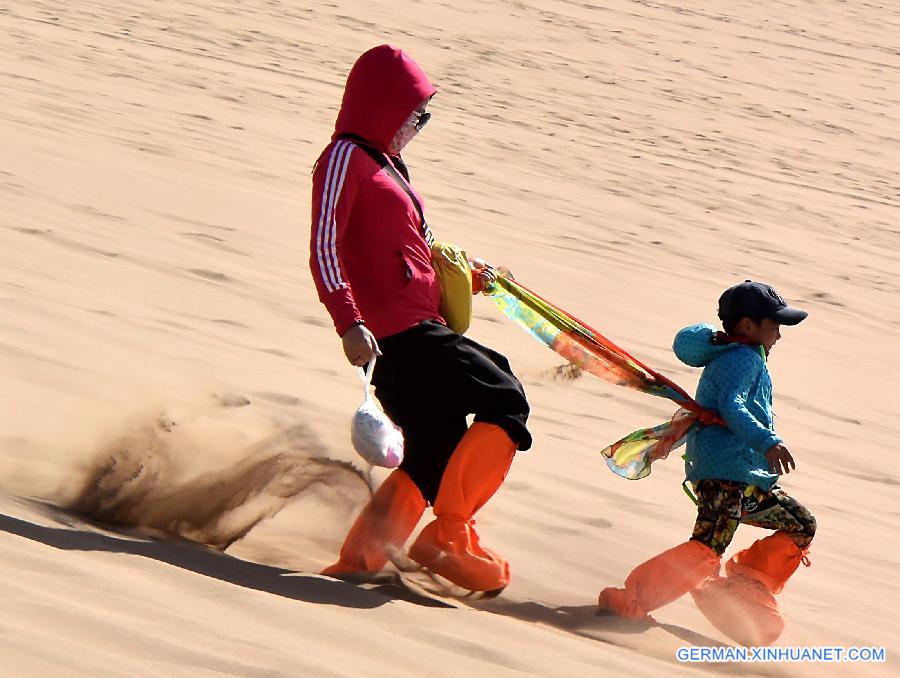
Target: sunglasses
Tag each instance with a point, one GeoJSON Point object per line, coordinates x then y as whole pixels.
{"type": "Point", "coordinates": [420, 120]}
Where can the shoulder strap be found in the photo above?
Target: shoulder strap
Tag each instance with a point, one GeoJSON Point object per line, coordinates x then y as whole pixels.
{"type": "Point", "coordinates": [403, 181]}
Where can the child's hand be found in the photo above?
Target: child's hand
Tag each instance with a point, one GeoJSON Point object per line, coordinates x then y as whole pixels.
{"type": "Point", "coordinates": [779, 458]}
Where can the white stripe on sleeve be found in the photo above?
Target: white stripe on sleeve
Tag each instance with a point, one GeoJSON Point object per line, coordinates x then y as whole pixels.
{"type": "Point", "coordinates": [326, 219]}
{"type": "Point", "coordinates": [339, 279]}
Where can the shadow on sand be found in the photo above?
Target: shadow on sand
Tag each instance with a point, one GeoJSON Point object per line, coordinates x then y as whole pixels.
{"type": "Point", "coordinates": [580, 620]}
{"type": "Point", "coordinates": [211, 563]}
{"type": "Point", "coordinates": [583, 620]}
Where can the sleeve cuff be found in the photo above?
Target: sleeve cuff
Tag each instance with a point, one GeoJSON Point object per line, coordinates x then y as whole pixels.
{"type": "Point", "coordinates": [767, 443]}
{"type": "Point", "coordinates": [342, 309]}
{"type": "Point", "coordinates": [342, 328]}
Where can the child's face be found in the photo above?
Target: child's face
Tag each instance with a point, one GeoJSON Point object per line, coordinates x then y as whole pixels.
{"type": "Point", "coordinates": [766, 332]}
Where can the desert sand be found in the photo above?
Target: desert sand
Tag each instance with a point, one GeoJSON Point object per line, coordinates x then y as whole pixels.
{"type": "Point", "coordinates": [161, 341]}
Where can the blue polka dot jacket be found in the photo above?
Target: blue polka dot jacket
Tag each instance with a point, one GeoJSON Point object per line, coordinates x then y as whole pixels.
{"type": "Point", "coordinates": [735, 383]}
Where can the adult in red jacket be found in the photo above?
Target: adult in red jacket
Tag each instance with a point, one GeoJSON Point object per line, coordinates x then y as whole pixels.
{"type": "Point", "coordinates": [371, 260]}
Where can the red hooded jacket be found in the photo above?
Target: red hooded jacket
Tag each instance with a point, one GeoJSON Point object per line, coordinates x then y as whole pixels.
{"type": "Point", "coordinates": [368, 255]}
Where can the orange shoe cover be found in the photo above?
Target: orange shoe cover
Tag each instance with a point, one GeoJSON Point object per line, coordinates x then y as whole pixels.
{"type": "Point", "coordinates": [741, 608]}
{"type": "Point", "coordinates": [771, 560]}
{"type": "Point", "coordinates": [449, 546]}
{"type": "Point", "coordinates": [661, 580]}
{"type": "Point", "coordinates": [384, 524]}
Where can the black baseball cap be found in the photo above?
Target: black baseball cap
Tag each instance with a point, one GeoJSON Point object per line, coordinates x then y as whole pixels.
{"type": "Point", "coordinates": [757, 300]}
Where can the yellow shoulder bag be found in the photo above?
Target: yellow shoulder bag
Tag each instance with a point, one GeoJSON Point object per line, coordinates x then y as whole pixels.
{"type": "Point", "coordinates": [455, 276]}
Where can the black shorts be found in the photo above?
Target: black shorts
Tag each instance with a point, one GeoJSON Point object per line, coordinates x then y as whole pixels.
{"type": "Point", "coordinates": [428, 380]}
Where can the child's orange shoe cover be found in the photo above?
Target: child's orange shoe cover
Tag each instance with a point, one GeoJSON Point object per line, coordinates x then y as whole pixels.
{"type": "Point", "coordinates": [449, 546]}
{"type": "Point", "coordinates": [742, 605]}
{"type": "Point", "coordinates": [384, 525]}
{"type": "Point", "coordinates": [741, 608]}
{"type": "Point", "coordinates": [771, 560]}
{"type": "Point", "coordinates": [661, 580]}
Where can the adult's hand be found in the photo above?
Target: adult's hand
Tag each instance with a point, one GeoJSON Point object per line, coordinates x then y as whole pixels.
{"type": "Point", "coordinates": [483, 275]}
{"type": "Point", "coordinates": [360, 345]}
{"type": "Point", "coordinates": [779, 458]}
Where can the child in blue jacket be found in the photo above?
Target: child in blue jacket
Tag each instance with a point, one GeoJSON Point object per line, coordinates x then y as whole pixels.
{"type": "Point", "coordinates": [733, 469]}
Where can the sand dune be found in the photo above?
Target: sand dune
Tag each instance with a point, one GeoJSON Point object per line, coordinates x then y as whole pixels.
{"type": "Point", "coordinates": [629, 161]}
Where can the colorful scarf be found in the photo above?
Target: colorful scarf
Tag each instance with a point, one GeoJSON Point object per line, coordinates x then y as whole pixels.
{"type": "Point", "coordinates": [589, 350]}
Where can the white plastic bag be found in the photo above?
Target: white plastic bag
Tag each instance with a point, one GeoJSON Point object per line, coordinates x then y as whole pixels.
{"type": "Point", "coordinates": [374, 435]}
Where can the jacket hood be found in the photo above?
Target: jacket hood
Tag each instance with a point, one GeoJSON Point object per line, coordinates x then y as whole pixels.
{"type": "Point", "coordinates": [383, 88]}
{"type": "Point", "coordinates": [694, 345]}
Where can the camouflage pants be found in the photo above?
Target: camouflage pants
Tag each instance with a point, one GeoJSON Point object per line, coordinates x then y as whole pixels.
{"type": "Point", "coordinates": [724, 504]}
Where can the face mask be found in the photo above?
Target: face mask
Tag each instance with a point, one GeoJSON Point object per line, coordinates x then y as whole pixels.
{"type": "Point", "coordinates": [408, 130]}
{"type": "Point", "coordinates": [402, 137]}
